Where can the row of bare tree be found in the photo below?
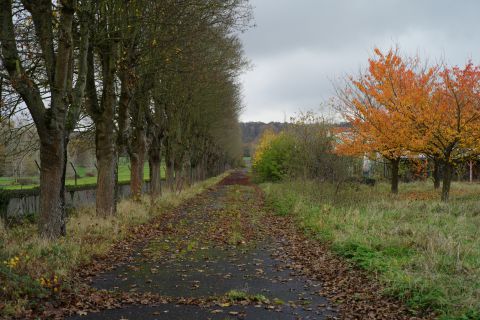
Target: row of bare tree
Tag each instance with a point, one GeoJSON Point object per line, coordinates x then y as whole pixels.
{"type": "Point", "coordinates": [152, 79]}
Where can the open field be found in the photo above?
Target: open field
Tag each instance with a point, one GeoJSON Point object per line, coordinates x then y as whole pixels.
{"type": "Point", "coordinates": [424, 251]}
{"type": "Point", "coordinates": [8, 183]}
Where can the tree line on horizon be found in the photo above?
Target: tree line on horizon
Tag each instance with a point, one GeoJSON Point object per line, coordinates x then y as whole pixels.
{"type": "Point", "coordinates": [151, 79]}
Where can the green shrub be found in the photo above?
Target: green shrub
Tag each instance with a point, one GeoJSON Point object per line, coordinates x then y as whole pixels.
{"type": "Point", "coordinates": [273, 165]}
{"type": "Point", "coordinates": [305, 149]}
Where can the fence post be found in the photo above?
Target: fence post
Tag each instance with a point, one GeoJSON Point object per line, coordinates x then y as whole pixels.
{"type": "Point", "coordinates": [4, 200]}
{"type": "Point", "coordinates": [471, 170]}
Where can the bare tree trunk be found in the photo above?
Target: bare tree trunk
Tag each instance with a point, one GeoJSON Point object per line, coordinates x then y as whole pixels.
{"type": "Point", "coordinates": [154, 161]}
{"type": "Point", "coordinates": [56, 58]}
{"type": "Point", "coordinates": [103, 114]}
{"type": "Point", "coordinates": [187, 171]}
{"type": "Point", "coordinates": [447, 180]}
{"type": "Point", "coordinates": [395, 163]}
{"type": "Point", "coordinates": [107, 165]}
{"type": "Point", "coordinates": [169, 175]}
{"type": "Point", "coordinates": [194, 170]}
{"type": "Point", "coordinates": [436, 173]}
{"type": "Point", "coordinates": [179, 180]}
{"type": "Point", "coordinates": [199, 173]}
{"type": "Point", "coordinates": [136, 176]}
{"type": "Point", "coordinates": [137, 161]}
{"type": "Point", "coordinates": [169, 170]}
{"type": "Point", "coordinates": [179, 175]}
{"type": "Point", "coordinates": [203, 168]}
{"type": "Point", "coordinates": [191, 178]}
{"type": "Point", "coordinates": [154, 158]}
{"type": "Point", "coordinates": [52, 220]}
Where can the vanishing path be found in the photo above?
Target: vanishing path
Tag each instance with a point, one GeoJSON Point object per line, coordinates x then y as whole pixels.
{"type": "Point", "coordinates": [217, 253]}
{"type": "Point", "coordinates": [222, 256]}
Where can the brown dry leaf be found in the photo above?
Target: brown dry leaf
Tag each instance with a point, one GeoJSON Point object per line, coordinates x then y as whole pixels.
{"type": "Point", "coordinates": [217, 311]}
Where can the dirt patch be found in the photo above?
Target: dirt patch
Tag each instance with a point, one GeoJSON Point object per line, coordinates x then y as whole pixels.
{"type": "Point", "coordinates": [236, 178]}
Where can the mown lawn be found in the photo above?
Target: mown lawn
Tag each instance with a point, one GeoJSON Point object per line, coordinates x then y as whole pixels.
{"type": "Point", "coordinates": [8, 183]}
{"type": "Point", "coordinates": [425, 252]}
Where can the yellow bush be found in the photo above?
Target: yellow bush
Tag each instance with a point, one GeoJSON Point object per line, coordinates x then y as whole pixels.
{"type": "Point", "coordinates": [264, 143]}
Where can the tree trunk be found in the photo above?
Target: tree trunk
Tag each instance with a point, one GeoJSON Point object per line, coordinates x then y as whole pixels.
{"type": "Point", "coordinates": [52, 218]}
{"type": "Point", "coordinates": [194, 174]}
{"type": "Point", "coordinates": [190, 178]}
{"type": "Point", "coordinates": [199, 172]}
{"type": "Point", "coordinates": [395, 163]}
{"type": "Point", "coordinates": [187, 172]}
{"type": "Point", "coordinates": [436, 173]}
{"type": "Point", "coordinates": [203, 168]}
{"type": "Point", "coordinates": [104, 118]}
{"type": "Point", "coordinates": [107, 165]}
{"type": "Point", "coordinates": [137, 161]}
{"type": "Point", "coordinates": [170, 176]}
{"type": "Point", "coordinates": [447, 180]}
{"type": "Point", "coordinates": [136, 176]}
{"type": "Point", "coordinates": [169, 171]}
{"type": "Point", "coordinates": [178, 180]}
{"type": "Point", "coordinates": [154, 162]}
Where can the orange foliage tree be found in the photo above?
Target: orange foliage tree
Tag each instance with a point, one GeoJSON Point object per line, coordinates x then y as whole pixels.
{"type": "Point", "coordinates": [450, 121]}
{"type": "Point", "coordinates": [369, 104]}
{"type": "Point", "coordinates": [444, 116]}
{"type": "Point", "coordinates": [399, 109]}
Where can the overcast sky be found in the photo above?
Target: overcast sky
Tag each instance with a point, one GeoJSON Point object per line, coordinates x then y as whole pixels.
{"type": "Point", "coordinates": [300, 46]}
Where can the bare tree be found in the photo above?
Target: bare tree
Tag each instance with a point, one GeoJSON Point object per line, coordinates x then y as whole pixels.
{"type": "Point", "coordinates": [54, 102]}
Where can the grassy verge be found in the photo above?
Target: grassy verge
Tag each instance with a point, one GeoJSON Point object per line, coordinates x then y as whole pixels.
{"type": "Point", "coordinates": [425, 252]}
{"type": "Point", "coordinates": [8, 183]}
{"type": "Point", "coordinates": [31, 267]}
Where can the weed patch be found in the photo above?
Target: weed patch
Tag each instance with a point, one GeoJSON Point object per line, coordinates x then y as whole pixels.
{"type": "Point", "coordinates": [235, 296]}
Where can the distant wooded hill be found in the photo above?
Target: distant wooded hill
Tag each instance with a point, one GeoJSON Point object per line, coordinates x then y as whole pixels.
{"type": "Point", "coordinates": [251, 131]}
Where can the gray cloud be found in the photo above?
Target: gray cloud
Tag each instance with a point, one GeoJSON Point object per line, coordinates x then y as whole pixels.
{"type": "Point", "coordinates": [300, 46]}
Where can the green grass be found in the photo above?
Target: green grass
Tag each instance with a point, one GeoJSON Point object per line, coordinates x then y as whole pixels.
{"type": "Point", "coordinates": [425, 252]}
{"type": "Point", "coordinates": [6, 180]}
{"type": "Point", "coordinates": [235, 296]}
{"type": "Point", "coordinates": [8, 183]}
